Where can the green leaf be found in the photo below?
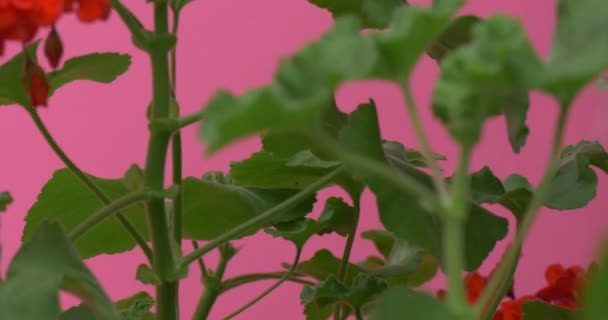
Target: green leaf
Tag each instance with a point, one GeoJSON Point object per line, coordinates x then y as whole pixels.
{"type": "Point", "coordinates": [45, 264]}
{"type": "Point", "coordinates": [486, 187]}
{"type": "Point", "coordinates": [5, 200]}
{"type": "Point", "coordinates": [213, 205]}
{"type": "Point", "coordinates": [402, 213]}
{"type": "Point", "coordinates": [515, 194]}
{"type": "Point", "coordinates": [145, 275]}
{"type": "Point", "coordinates": [324, 264]}
{"type": "Point", "coordinates": [98, 67]}
{"type": "Point", "coordinates": [398, 301]}
{"type": "Point", "coordinates": [136, 307]}
{"type": "Point", "coordinates": [515, 108]}
{"type": "Point", "coordinates": [383, 240]}
{"type": "Point", "coordinates": [486, 78]}
{"type": "Point", "coordinates": [580, 48]}
{"type": "Point", "coordinates": [457, 34]}
{"type": "Point", "coordinates": [575, 183]}
{"type": "Point", "coordinates": [595, 295]}
{"type": "Point", "coordinates": [540, 310]}
{"type": "Point", "coordinates": [11, 89]}
{"type": "Point", "coordinates": [65, 199]}
{"type": "Point", "coordinates": [330, 291]}
{"type": "Point", "coordinates": [304, 85]}
{"type": "Point", "coordinates": [314, 312]}
{"type": "Point", "coordinates": [373, 13]}
{"type": "Point", "coordinates": [395, 151]}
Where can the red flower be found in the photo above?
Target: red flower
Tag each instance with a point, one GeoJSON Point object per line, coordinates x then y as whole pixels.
{"type": "Point", "coordinates": [563, 285]}
{"type": "Point", "coordinates": [512, 309]}
{"type": "Point", "coordinates": [474, 284]}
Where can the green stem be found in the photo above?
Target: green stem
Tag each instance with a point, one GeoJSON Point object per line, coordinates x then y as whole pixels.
{"type": "Point", "coordinates": [425, 145]}
{"type": "Point", "coordinates": [511, 256]}
{"type": "Point", "coordinates": [261, 296]}
{"type": "Point", "coordinates": [262, 218]}
{"type": "Point", "coordinates": [188, 120]}
{"type": "Point", "coordinates": [105, 212]}
{"type": "Point", "coordinates": [453, 225]}
{"type": "Point", "coordinates": [348, 247]}
{"type": "Point", "coordinates": [176, 147]}
{"type": "Point", "coordinates": [88, 182]}
{"type": "Point", "coordinates": [488, 311]}
{"type": "Point", "coordinates": [213, 288]}
{"type": "Point", "coordinates": [399, 180]}
{"type": "Point", "coordinates": [129, 19]}
{"type": "Point", "coordinates": [164, 262]}
{"type": "Point", "coordinates": [254, 277]}
{"type": "Point", "coordinates": [201, 263]}
{"type": "Point", "coordinates": [358, 314]}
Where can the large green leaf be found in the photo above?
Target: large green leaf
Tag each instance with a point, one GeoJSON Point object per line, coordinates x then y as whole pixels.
{"type": "Point", "coordinates": [304, 85]}
{"type": "Point", "coordinates": [373, 13]}
{"type": "Point", "coordinates": [595, 295]}
{"type": "Point", "coordinates": [45, 264]}
{"type": "Point", "coordinates": [398, 301]}
{"type": "Point", "coordinates": [540, 310]}
{"type": "Point", "coordinates": [98, 67]}
{"type": "Point", "coordinates": [580, 47]}
{"type": "Point", "coordinates": [65, 199]}
{"type": "Point", "coordinates": [214, 205]}
{"type": "Point", "coordinates": [11, 89]}
{"type": "Point", "coordinates": [402, 213]}
{"type": "Point", "coordinates": [575, 183]}
{"type": "Point", "coordinates": [485, 78]}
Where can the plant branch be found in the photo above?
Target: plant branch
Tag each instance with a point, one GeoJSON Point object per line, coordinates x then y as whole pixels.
{"type": "Point", "coordinates": [425, 145]}
{"type": "Point", "coordinates": [176, 146]}
{"type": "Point", "coordinates": [343, 271]}
{"type": "Point", "coordinates": [128, 18]}
{"type": "Point", "coordinates": [201, 263]}
{"type": "Point", "coordinates": [88, 182]}
{"type": "Point", "coordinates": [284, 278]}
{"type": "Point", "coordinates": [511, 256]}
{"type": "Point", "coordinates": [262, 218]}
{"type": "Point", "coordinates": [253, 277]}
{"type": "Point", "coordinates": [213, 285]}
{"type": "Point", "coordinates": [105, 212]}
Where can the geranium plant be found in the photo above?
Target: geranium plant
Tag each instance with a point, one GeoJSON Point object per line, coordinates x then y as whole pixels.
{"type": "Point", "coordinates": [488, 69]}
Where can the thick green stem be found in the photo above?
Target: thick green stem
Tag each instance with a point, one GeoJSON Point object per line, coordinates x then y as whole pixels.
{"type": "Point", "coordinates": [425, 146]}
{"type": "Point", "coordinates": [261, 296]}
{"type": "Point", "coordinates": [262, 218]}
{"type": "Point", "coordinates": [105, 212]}
{"type": "Point", "coordinates": [176, 146]}
{"type": "Point", "coordinates": [348, 247]}
{"type": "Point", "coordinates": [213, 286]}
{"type": "Point", "coordinates": [453, 227]}
{"type": "Point", "coordinates": [254, 277]}
{"type": "Point", "coordinates": [511, 256]}
{"type": "Point", "coordinates": [88, 182]}
{"type": "Point", "coordinates": [164, 262]}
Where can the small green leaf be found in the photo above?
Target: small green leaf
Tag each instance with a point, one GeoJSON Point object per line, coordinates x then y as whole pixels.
{"type": "Point", "coordinates": [486, 187]}
{"type": "Point", "coordinates": [580, 48]}
{"type": "Point", "coordinates": [486, 78]}
{"type": "Point", "coordinates": [324, 264]}
{"type": "Point", "coordinates": [515, 108]}
{"type": "Point", "coordinates": [79, 312]}
{"type": "Point", "coordinates": [314, 312]}
{"type": "Point", "coordinates": [5, 200]}
{"type": "Point", "coordinates": [395, 151]}
{"type": "Point", "coordinates": [65, 199]}
{"type": "Point", "coordinates": [458, 33]}
{"type": "Point", "coordinates": [45, 264]}
{"type": "Point", "coordinates": [595, 296]}
{"type": "Point", "coordinates": [330, 291]}
{"type": "Point", "coordinates": [145, 275]}
{"type": "Point", "coordinates": [213, 205]}
{"type": "Point", "coordinates": [11, 89]}
{"type": "Point", "coordinates": [136, 307]}
{"type": "Point", "coordinates": [134, 178]}
{"type": "Point", "coordinates": [98, 67]}
{"type": "Point", "coordinates": [373, 13]}
{"type": "Point", "coordinates": [398, 301]}
{"type": "Point", "coordinates": [383, 240]}
{"type": "Point", "coordinates": [575, 183]}
{"type": "Point", "coordinates": [540, 310]}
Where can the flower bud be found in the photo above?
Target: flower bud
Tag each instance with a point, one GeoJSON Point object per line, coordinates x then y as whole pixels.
{"type": "Point", "coordinates": [53, 48]}
{"type": "Point", "coordinates": [35, 83]}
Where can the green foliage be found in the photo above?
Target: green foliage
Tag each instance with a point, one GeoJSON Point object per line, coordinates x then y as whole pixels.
{"type": "Point", "coordinates": [540, 310]}
{"type": "Point", "coordinates": [45, 264]}
{"type": "Point", "coordinates": [98, 67]}
{"type": "Point", "coordinates": [580, 48]}
{"type": "Point", "coordinates": [575, 183]}
{"type": "Point", "coordinates": [396, 152]}
{"type": "Point", "coordinates": [5, 200]}
{"type": "Point", "coordinates": [331, 291]}
{"type": "Point", "coordinates": [11, 89]}
{"type": "Point", "coordinates": [457, 34]}
{"type": "Point", "coordinates": [595, 295]}
{"type": "Point", "coordinates": [383, 240]}
{"type": "Point", "coordinates": [214, 204]}
{"type": "Point", "coordinates": [136, 307]}
{"type": "Point", "coordinates": [485, 78]}
{"type": "Point", "coordinates": [324, 264]}
{"type": "Point", "coordinates": [373, 13]}
{"type": "Point", "coordinates": [64, 199]}
{"type": "Point", "coordinates": [145, 275]}
{"type": "Point", "coordinates": [398, 301]}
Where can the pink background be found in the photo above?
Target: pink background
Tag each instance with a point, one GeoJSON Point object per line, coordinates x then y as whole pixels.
{"type": "Point", "coordinates": [236, 45]}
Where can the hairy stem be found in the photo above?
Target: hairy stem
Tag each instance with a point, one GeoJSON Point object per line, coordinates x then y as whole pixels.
{"type": "Point", "coordinates": [511, 256]}
{"type": "Point", "coordinates": [88, 182]}
{"type": "Point", "coordinates": [284, 278]}
{"type": "Point", "coordinates": [262, 218]}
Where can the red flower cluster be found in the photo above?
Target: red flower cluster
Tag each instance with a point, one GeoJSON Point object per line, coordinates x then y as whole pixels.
{"type": "Point", "coordinates": [20, 19]}
{"type": "Point", "coordinates": [564, 287]}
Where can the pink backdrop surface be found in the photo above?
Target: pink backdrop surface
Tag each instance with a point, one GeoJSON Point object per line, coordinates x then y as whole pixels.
{"type": "Point", "coordinates": [236, 44]}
